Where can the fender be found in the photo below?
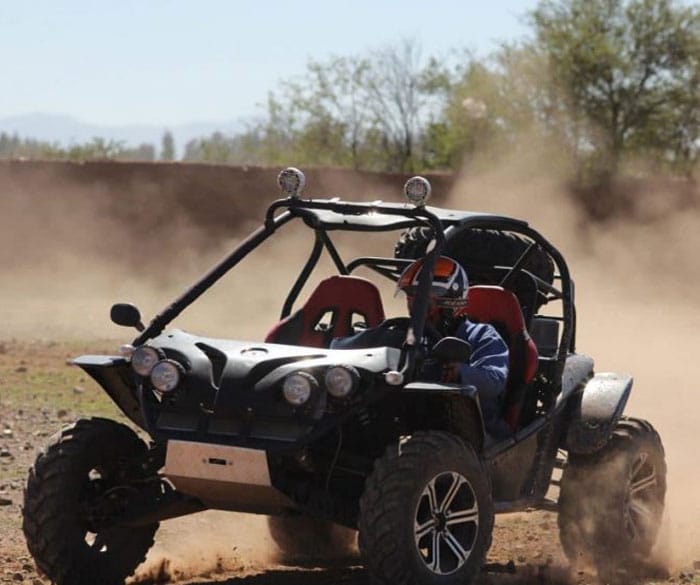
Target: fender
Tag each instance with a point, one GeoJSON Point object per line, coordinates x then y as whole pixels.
{"type": "Point", "coordinates": [114, 375]}
{"type": "Point", "coordinates": [595, 412]}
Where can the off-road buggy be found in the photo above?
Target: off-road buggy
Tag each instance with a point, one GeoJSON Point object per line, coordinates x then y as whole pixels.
{"type": "Point", "coordinates": [318, 437]}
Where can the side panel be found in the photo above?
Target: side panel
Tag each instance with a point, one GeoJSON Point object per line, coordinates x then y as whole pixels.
{"type": "Point", "coordinates": [511, 468]}
{"type": "Point", "coordinates": [114, 375]}
{"type": "Point", "coordinates": [464, 417]}
{"type": "Point", "coordinates": [595, 412]}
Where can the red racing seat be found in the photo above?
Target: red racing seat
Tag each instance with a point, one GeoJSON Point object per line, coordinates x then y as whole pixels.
{"type": "Point", "coordinates": [501, 308]}
{"type": "Point", "coordinates": [338, 301]}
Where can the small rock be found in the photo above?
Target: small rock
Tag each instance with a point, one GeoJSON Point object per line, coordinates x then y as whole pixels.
{"type": "Point", "coordinates": [5, 452]}
{"type": "Point", "coordinates": [26, 567]}
{"type": "Point", "coordinates": [78, 390]}
{"type": "Point", "coordinates": [7, 432]}
{"type": "Point", "coordinates": [5, 501]}
{"type": "Point", "coordinates": [62, 413]}
{"type": "Point", "coordinates": [18, 577]}
{"type": "Point", "coordinates": [521, 558]}
{"type": "Point", "coordinates": [21, 369]}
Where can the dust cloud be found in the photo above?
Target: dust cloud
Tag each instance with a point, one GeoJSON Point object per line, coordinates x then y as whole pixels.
{"type": "Point", "coordinates": [207, 544]}
{"type": "Point", "coordinates": [68, 250]}
{"type": "Point", "coordinates": [637, 312]}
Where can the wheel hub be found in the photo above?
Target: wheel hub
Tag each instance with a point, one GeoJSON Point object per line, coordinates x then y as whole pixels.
{"type": "Point", "coordinates": [440, 521]}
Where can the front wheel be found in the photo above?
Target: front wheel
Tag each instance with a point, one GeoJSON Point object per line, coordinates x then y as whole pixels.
{"type": "Point", "coordinates": [76, 489]}
{"type": "Point", "coordinates": [426, 515]}
{"type": "Point", "coordinates": [612, 502]}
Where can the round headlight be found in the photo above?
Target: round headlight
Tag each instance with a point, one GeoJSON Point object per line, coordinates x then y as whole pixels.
{"type": "Point", "coordinates": [341, 381]}
{"type": "Point", "coordinates": [291, 181]}
{"type": "Point", "coordinates": [165, 375]}
{"type": "Point", "coordinates": [417, 190]}
{"type": "Point", "coordinates": [297, 388]}
{"type": "Point", "coordinates": [143, 359]}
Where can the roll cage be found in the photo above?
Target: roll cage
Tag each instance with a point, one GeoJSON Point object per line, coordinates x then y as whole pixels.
{"type": "Point", "coordinates": [328, 215]}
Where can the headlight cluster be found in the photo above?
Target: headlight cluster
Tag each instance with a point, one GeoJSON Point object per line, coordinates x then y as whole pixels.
{"type": "Point", "coordinates": [339, 382]}
{"type": "Point", "coordinates": [165, 374]}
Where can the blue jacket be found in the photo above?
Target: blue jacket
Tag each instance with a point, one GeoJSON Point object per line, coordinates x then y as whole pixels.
{"type": "Point", "coordinates": [487, 370]}
{"type": "Point", "coordinates": [488, 365]}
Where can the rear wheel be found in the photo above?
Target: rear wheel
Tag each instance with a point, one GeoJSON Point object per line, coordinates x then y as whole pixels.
{"type": "Point", "coordinates": [612, 502]}
{"type": "Point", "coordinates": [426, 515]}
{"type": "Point", "coordinates": [76, 489]}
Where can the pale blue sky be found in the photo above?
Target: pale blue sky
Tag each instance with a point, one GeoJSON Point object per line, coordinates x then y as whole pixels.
{"type": "Point", "coordinates": [173, 61]}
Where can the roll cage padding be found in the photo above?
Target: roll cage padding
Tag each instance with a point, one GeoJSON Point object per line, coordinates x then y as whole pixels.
{"type": "Point", "coordinates": [340, 298]}
{"type": "Point", "coordinates": [500, 308]}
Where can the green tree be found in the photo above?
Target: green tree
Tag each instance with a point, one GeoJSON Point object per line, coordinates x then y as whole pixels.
{"type": "Point", "coordinates": [398, 98]}
{"type": "Point", "coordinates": [629, 74]}
{"type": "Point", "coordinates": [366, 111]}
{"type": "Point", "coordinates": [167, 146]}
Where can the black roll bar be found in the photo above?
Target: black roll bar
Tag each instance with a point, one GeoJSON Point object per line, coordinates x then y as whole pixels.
{"type": "Point", "coordinates": [161, 321]}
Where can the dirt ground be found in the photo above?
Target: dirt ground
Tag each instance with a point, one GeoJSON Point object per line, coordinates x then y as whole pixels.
{"type": "Point", "coordinates": [40, 393]}
{"type": "Point", "coordinates": [637, 307]}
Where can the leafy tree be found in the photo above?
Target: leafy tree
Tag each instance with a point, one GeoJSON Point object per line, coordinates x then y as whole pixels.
{"type": "Point", "coordinates": [399, 89]}
{"type": "Point", "coordinates": [629, 73]}
{"type": "Point", "coordinates": [367, 112]}
{"type": "Point", "coordinates": [142, 152]}
{"type": "Point", "coordinates": [167, 148]}
{"type": "Point", "coordinates": [98, 148]}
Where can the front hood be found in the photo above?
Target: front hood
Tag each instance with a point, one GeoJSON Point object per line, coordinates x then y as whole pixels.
{"type": "Point", "coordinates": [261, 364]}
{"type": "Point", "coordinates": [235, 387]}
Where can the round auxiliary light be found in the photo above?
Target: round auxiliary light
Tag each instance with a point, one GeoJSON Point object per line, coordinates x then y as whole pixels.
{"type": "Point", "coordinates": [165, 375]}
{"type": "Point", "coordinates": [297, 388]}
{"type": "Point", "coordinates": [291, 181]}
{"type": "Point", "coordinates": [417, 190]}
{"type": "Point", "coordinates": [143, 359]}
{"type": "Point", "coordinates": [393, 378]}
{"type": "Point", "coordinates": [341, 381]}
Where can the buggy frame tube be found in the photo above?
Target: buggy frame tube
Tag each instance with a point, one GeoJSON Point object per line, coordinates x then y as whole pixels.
{"type": "Point", "coordinates": [420, 307]}
{"type": "Point", "coordinates": [568, 339]}
{"type": "Point", "coordinates": [333, 253]}
{"type": "Point", "coordinates": [303, 276]}
{"type": "Point", "coordinates": [162, 320]}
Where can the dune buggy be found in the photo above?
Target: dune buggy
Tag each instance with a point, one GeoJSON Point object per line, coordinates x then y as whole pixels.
{"type": "Point", "coordinates": [319, 437]}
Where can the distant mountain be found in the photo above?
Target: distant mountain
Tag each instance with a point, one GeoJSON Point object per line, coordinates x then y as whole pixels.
{"type": "Point", "coordinates": [67, 130]}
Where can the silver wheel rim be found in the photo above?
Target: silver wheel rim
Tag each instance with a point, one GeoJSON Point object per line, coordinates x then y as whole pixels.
{"type": "Point", "coordinates": [446, 523]}
{"type": "Point", "coordinates": [641, 506]}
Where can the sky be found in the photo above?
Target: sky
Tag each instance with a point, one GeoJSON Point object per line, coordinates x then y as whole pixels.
{"type": "Point", "coordinates": [171, 62]}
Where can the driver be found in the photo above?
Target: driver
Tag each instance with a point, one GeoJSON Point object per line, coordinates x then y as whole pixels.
{"type": "Point", "coordinates": [487, 368]}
